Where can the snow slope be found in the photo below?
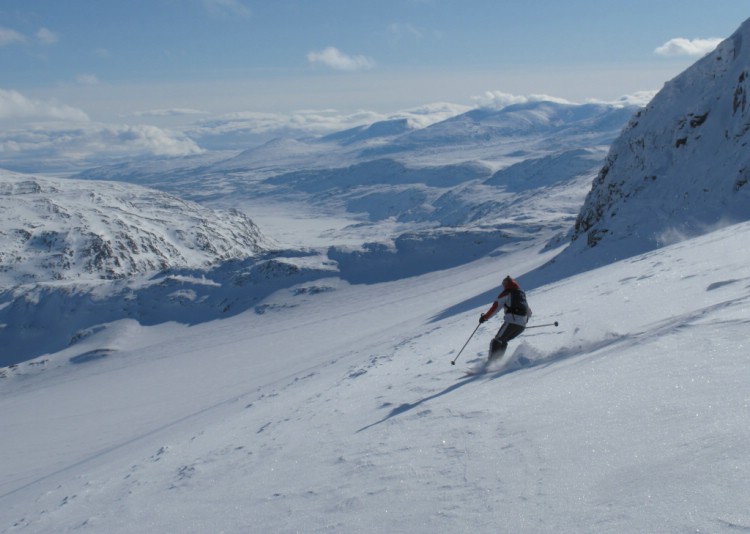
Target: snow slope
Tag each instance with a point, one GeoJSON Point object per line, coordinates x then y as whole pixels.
{"type": "Point", "coordinates": [343, 414]}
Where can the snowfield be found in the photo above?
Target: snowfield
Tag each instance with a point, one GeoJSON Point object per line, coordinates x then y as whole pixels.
{"type": "Point", "coordinates": [343, 413]}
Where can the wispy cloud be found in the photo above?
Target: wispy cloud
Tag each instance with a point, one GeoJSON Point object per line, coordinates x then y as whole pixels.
{"type": "Point", "coordinates": [497, 100]}
{"type": "Point", "coordinates": [87, 79]}
{"type": "Point", "coordinates": [397, 30]}
{"type": "Point", "coordinates": [232, 8]}
{"type": "Point", "coordinates": [404, 32]}
{"type": "Point", "coordinates": [14, 105]}
{"type": "Point", "coordinates": [9, 36]}
{"type": "Point", "coordinates": [240, 130]}
{"type": "Point", "coordinates": [43, 36]}
{"type": "Point", "coordinates": [138, 139]}
{"type": "Point", "coordinates": [46, 37]}
{"type": "Point", "coordinates": [171, 112]}
{"type": "Point", "coordinates": [92, 142]}
{"type": "Point", "coordinates": [688, 47]}
{"type": "Point", "coordinates": [37, 131]}
{"type": "Point", "coordinates": [332, 57]}
{"type": "Point", "coordinates": [500, 100]}
{"type": "Point", "coordinates": [302, 122]}
{"type": "Point", "coordinates": [639, 98]}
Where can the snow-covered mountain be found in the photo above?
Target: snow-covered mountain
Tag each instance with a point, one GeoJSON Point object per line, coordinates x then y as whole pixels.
{"type": "Point", "coordinates": [62, 229]}
{"type": "Point", "coordinates": [681, 166]}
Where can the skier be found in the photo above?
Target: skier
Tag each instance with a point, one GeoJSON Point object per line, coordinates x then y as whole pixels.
{"type": "Point", "coordinates": [517, 314]}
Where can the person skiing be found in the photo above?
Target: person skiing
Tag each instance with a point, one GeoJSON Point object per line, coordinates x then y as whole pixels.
{"type": "Point", "coordinates": [517, 314]}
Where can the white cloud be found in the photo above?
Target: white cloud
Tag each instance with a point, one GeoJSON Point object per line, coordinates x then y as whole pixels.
{"type": "Point", "coordinates": [499, 100]}
{"type": "Point", "coordinates": [228, 8]}
{"type": "Point", "coordinates": [171, 112]}
{"type": "Point", "coordinates": [303, 122]}
{"type": "Point", "coordinates": [43, 36]}
{"type": "Point", "coordinates": [424, 116]}
{"type": "Point", "coordinates": [91, 142]}
{"type": "Point", "coordinates": [639, 98]}
{"type": "Point", "coordinates": [688, 47]}
{"type": "Point", "coordinates": [46, 36]}
{"type": "Point", "coordinates": [332, 57]}
{"type": "Point", "coordinates": [87, 79]}
{"type": "Point", "coordinates": [8, 36]}
{"type": "Point", "coordinates": [140, 139]}
{"type": "Point", "coordinates": [242, 130]}
{"type": "Point", "coordinates": [397, 30]}
{"type": "Point", "coordinates": [39, 131]}
{"type": "Point", "coordinates": [404, 32]}
{"type": "Point", "coordinates": [14, 105]}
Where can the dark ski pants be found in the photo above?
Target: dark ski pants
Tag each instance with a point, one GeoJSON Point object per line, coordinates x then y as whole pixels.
{"type": "Point", "coordinates": [500, 342]}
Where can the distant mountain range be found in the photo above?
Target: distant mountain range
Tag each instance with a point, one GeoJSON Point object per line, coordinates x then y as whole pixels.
{"type": "Point", "coordinates": [375, 169]}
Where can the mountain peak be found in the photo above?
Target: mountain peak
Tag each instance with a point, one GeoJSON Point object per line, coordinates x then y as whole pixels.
{"type": "Point", "coordinates": [681, 166]}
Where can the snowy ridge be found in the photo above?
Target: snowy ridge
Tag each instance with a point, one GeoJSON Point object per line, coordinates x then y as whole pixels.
{"type": "Point", "coordinates": [60, 229]}
{"type": "Point", "coordinates": [681, 166]}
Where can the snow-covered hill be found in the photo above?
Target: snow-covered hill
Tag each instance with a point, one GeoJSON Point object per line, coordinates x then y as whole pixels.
{"type": "Point", "coordinates": [60, 229]}
{"type": "Point", "coordinates": [681, 166]}
{"type": "Point", "coordinates": [343, 413]}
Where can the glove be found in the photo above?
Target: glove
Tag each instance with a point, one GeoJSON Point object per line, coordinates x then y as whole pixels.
{"type": "Point", "coordinates": [482, 319]}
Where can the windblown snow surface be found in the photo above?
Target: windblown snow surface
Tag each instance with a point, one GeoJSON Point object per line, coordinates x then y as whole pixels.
{"type": "Point", "coordinates": [343, 413]}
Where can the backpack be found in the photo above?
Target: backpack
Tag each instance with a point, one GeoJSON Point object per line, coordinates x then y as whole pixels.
{"type": "Point", "coordinates": [518, 304]}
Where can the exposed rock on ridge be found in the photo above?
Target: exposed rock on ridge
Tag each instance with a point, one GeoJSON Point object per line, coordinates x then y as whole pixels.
{"type": "Point", "coordinates": [681, 166]}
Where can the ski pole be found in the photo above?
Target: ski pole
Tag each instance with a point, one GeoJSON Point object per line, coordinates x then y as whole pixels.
{"type": "Point", "coordinates": [541, 325]}
{"type": "Point", "coordinates": [453, 361]}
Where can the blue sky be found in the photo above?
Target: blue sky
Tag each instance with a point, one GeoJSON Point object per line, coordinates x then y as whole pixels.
{"type": "Point", "coordinates": [174, 62]}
